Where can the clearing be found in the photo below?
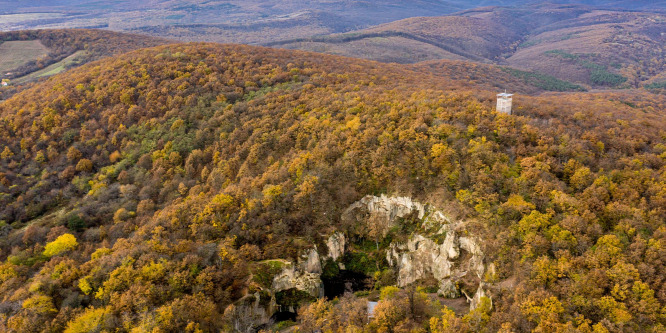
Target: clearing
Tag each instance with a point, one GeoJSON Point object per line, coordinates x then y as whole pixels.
{"type": "Point", "coordinates": [15, 54]}
{"type": "Point", "coordinates": [58, 67]}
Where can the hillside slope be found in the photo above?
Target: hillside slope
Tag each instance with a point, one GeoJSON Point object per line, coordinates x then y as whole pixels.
{"type": "Point", "coordinates": [471, 75]}
{"type": "Point", "coordinates": [600, 48]}
{"type": "Point", "coordinates": [160, 190]}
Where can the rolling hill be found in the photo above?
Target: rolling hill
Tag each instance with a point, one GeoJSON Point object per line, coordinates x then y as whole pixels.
{"type": "Point", "coordinates": [204, 188]}
{"type": "Point", "coordinates": [599, 48]}
{"type": "Point", "coordinates": [244, 22]}
{"type": "Point", "coordinates": [598, 44]}
{"type": "Point", "coordinates": [219, 21]}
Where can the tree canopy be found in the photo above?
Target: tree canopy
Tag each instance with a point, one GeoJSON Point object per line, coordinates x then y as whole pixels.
{"type": "Point", "coordinates": [168, 173]}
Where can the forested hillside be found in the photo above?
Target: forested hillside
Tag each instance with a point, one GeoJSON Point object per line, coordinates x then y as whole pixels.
{"type": "Point", "coordinates": [473, 75]}
{"type": "Point", "coordinates": [586, 45]}
{"type": "Point", "coordinates": [158, 190]}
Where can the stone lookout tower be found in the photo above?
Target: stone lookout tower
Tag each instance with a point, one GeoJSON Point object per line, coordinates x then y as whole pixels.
{"type": "Point", "coordinates": [504, 102]}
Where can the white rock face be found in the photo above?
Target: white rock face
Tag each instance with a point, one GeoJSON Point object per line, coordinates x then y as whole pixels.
{"type": "Point", "coordinates": [437, 250]}
{"type": "Point", "coordinates": [336, 245]}
{"type": "Point", "coordinates": [475, 264]}
{"type": "Point", "coordinates": [290, 277]}
{"type": "Point", "coordinates": [306, 274]}
{"type": "Point", "coordinates": [476, 300]}
{"type": "Point", "coordinates": [385, 210]}
{"type": "Point", "coordinates": [422, 256]}
{"type": "Point", "coordinates": [311, 262]}
{"type": "Point", "coordinates": [245, 314]}
{"type": "Point", "coordinates": [448, 289]}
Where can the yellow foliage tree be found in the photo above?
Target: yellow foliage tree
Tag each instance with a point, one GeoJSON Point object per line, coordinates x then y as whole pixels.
{"type": "Point", "coordinates": [444, 323]}
{"type": "Point", "coordinates": [62, 244]}
{"type": "Point", "coordinates": [84, 165]}
{"type": "Point", "coordinates": [92, 320]}
{"type": "Point", "coordinates": [40, 304]}
{"type": "Point", "coordinates": [7, 153]}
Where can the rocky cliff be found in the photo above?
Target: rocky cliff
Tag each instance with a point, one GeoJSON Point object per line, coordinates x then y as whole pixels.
{"type": "Point", "coordinates": [304, 276]}
{"type": "Point", "coordinates": [439, 248]}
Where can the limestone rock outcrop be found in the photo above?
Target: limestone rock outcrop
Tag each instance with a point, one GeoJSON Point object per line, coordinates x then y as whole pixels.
{"type": "Point", "coordinates": [311, 263]}
{"type": "Point", "coordinates": [252, 310]}
{"type": "Point", "coordinates": [336, 245]}
{"type": "Point", "coordinates": [438, 249]}
{"type": "Point", "coordinates": [294, 277]}
{"type": "Point", "coordinates": [480, 293]}
{"type": "Point", "coordinates": [384, 210]}
{"type": "Point", "coordinates": [422, 257]}
{"type": "Point", "coordinates": [304, 276]}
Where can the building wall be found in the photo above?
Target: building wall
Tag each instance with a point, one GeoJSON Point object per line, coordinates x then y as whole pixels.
{"type": "Point", "coordinates": [504, 105]}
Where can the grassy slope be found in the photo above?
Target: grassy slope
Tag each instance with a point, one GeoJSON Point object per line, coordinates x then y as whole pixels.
{"type": "Point", "coordinates": [59, 67]}
{"type": "Point", "coordinates": [14, 54]}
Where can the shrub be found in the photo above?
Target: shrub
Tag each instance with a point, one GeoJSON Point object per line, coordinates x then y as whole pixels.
{"type": "Point", "coordinates": [75, 222]}
{"type": "Point", "coordinates": [293, 298]}
{"type": "Point", "coordinates": [606, 78]}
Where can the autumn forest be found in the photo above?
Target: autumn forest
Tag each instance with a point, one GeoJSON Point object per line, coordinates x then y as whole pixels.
{"type": "Point", "coordinates": [166, 189]}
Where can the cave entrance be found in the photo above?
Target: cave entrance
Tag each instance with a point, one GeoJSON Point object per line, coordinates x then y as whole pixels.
{"type": "Point", "coordinates": [284, 316]}
{"type": "Point", "coordinates": [288, 301]}
{"type": "Point", "coordinates": [345, 281]}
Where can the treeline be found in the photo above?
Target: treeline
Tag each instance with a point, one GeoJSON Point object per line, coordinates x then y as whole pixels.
{"type": "Point", "coordinates": [494, 78]}
{"type": "Point", "coordinates": [140, 192]}
{"type": "Point", "coordinates": [545, 82]}
{"type": "Point", "coordinates": [351, 37]}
